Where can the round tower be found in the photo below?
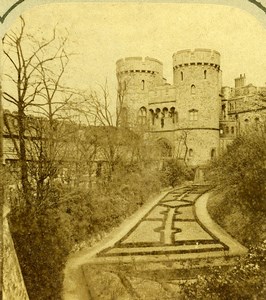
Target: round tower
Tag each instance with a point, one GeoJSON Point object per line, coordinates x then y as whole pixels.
{"type": "Point", "coordinates": [136, 75]}
{"type": "Point", "coordinates": [197, 77]}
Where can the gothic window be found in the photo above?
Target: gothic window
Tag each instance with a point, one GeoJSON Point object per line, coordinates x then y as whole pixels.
{"type": "Point", "coordinates": [193, 115]}
{"type": "Point", "coordinates": [142, 117]}
{"type": "Point", "coordinates": [152, 116]}
{"type": "Point", "coordinates": [173, 114]}
{"type": "Point", "coordinates": [157, 112]}
{"type": "Point", "coordinates": [193, 89]}
{"type": "Point", "coordinates": [205, 74]}
{"type": "Point", "coordinates": [165, 111]}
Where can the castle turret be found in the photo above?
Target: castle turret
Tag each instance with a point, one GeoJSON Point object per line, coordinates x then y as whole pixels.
{"type": "Point", "coordinates": [197, 77]}
{"type": "Point", "coordinates": [240, 81]}
{"type": "Point", "coordinates": [136, 75]}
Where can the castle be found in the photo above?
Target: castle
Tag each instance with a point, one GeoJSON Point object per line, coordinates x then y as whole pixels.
{"type": "Point", "coordinates": [195, 118]}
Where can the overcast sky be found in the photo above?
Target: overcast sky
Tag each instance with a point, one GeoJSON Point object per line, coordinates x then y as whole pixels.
{"type": "Point", "coordinates": [101, 33]}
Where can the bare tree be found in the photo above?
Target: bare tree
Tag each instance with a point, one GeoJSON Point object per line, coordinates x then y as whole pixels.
{"type": "Point", "coordinates": [182, 146]}
{"type": "Point", "coordinates": [115, 142]}
{"type": "Point", "coordinates": [33, 85]}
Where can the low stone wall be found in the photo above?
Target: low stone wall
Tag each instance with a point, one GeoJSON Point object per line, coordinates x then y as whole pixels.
{"type": "Point", "coordinates": [13, 283]}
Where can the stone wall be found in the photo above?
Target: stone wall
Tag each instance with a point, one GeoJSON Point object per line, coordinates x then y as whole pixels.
{"type": "Point", "coordinates": [13, 284]}
{"type": "Point", "coordinates": [136, 76]}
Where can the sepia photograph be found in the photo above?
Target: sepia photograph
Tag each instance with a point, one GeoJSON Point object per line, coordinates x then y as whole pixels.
{"type": "Point", "coordinates": [133, 150]}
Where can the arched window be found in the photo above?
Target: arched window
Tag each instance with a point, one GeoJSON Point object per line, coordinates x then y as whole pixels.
{"type": "Point", "coordinates": [143, 85]}
{"type": "Point", "coordinates": [257, 121]}
{"type": "Point", "coordinates": [142, 117]}
{"type": "Point", "coordinates": [173, 114]}
{"type": "Point", "coordinates": [190, 152]}
{"type": "Point", "coordinates": [157, 113]}
{"type": "Point", "coordinates": [165, 111]}
{"type": "Point", "coordinates": [213, 153]}
{"type": "Point", "coordinates": [152, 116]}
{"type": "Point", "coordinates": [227, 129]}
{"type": "Point", "coordinates": [224, 111]}
{"type": "Point", "coordinates": [182, 76]}
{"type": "Point", "coordinates": [163, 115]}
{"type": "Point", "coordinates": [193, 89]}
{"type": "Point", "coordinates": [193, 115]}
{"type": "Point", "coordinates": [205, 74]}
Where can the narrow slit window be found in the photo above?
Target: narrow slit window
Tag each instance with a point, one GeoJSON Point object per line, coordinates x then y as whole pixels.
{"type": "Point", "coordinates": [193, 89]}
{"type": "Point", "coordinates": [143, 84]}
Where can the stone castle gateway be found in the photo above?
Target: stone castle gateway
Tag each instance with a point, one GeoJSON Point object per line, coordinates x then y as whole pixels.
{"type": "Point", "coordinates": [195, 118]}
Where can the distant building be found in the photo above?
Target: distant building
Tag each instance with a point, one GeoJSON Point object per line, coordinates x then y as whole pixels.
{"type": "Point", "coordinates": [195, 118]}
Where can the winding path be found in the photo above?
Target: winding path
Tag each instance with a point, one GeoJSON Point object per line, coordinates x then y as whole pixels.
{"type": "Point", "coordinates": [169, 239]}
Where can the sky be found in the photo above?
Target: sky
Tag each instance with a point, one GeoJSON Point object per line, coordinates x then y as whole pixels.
{"type": "Point", "coordinates": [101, 33]}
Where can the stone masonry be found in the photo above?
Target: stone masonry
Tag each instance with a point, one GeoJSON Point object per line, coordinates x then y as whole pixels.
{"type": "Point", "coordinates": [193, 117]}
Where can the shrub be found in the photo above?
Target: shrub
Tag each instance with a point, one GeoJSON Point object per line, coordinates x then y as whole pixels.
{"type": "Point", "coordinates": [44, 234]}
{"type": "Point", "coordinates": [42, 243]}
{"type": "Point", "coordinates": [175, 172]}
{"type": "Point", "coordinates": [242, 171]}
{"type": "Point", "coordinates": [245, 281]}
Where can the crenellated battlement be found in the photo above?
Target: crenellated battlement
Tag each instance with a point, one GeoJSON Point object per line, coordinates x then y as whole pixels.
{"type": "Point", "coordinates": [139, 64]}
{"type": "Point", "coordinates": [196, 57]}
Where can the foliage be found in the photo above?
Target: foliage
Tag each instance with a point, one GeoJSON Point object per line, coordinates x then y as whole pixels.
{"type": "Point", "coordinates": [44, 235]}
{"type": "Point", "coordinates": [34, 86]}
{"type": "Point", "coordinates": [175, 172]}
{"type": "Point", "coordinates": [239, 207]}
{"type": "Point", "coordinates": [246, 225]}
{"type": "Point", "coordinates": [242, 171]}
{"type": "Point", "coordinates": [246, 280]}
{"type": "Point", "coordinates": [42, 243]}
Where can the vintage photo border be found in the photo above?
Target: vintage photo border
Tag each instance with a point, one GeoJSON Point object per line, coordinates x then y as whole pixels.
{"type": "Point", "coordinates": [11, 9]}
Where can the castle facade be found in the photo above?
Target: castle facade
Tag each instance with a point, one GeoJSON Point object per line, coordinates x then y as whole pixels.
{"type": "Point", "coordinates": [193, 119]}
